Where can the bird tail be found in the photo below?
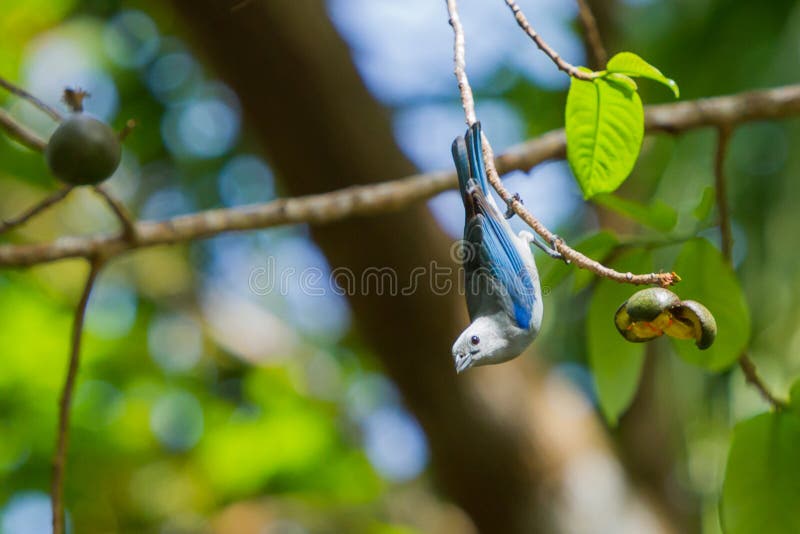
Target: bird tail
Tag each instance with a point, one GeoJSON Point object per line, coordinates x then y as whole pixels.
{"type": "Point", "coordinates": [475, 152]}
{"type": "Point", "coordinates": [468, 157]}
{"type": "Point", "coordinates": [461, 159]}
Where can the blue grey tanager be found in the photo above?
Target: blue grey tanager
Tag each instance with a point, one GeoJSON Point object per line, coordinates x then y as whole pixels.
{"type": "Point", "coordinates": [504, 298]}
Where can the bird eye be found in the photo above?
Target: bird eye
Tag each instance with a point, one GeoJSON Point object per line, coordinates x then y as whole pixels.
{"type": "Point", "coordinates": [474, 340]}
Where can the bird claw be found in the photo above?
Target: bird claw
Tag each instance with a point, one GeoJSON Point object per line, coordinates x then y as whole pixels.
{"type": "Point", "coordinates": [554, 244]}
{"type": "Point", "coordinates": [509, 210]}
{"type": "Point", "coordinates": [551, 249]}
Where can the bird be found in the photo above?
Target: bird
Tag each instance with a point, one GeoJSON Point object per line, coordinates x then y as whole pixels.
{"type": "Point", "coordinates": [503, 293]}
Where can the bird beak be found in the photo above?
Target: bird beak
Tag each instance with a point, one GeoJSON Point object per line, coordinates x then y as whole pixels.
{"type": "Point", "coordinates": [463, 362]}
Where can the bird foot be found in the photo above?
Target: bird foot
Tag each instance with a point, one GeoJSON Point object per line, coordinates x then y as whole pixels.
{"type": "Point", "coordinates": [509, 210]}
{"type": "Point", "coordinates": [550, 249]}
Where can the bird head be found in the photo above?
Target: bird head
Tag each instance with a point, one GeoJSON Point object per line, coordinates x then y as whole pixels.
{"type": "Point", "coordinates": [481, 343]}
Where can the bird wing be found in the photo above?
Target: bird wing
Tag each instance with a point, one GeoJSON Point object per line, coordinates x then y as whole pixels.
{"type": "Point", "coordinates": [494, 256]}
{"type": "Point", "coordinates": [493, 266]}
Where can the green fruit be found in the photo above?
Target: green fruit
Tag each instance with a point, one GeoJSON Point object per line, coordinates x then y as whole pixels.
{"type": "Point", "coordinates": [703, 324]}
{"type": "Point", "coordinates": [83, 150]}
{"type": "Point", "coordinates": [647, 304]}
{"type": "Point", "coordinates": [652, 312]}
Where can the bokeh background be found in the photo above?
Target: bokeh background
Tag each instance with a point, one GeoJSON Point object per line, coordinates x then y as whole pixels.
{"type": "Point", "coordinates": [206, 406]}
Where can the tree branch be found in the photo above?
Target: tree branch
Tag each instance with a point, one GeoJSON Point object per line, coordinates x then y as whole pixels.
{"type": "Point", "coordinates": [395, 195]}
{"type": "Point", "coordinates": [62, 440]}
{"type": "Point", "coordinates": [579, 259]}
{"type": "Point", "coordinates": [563, 65]}
{"type": "Point", "coordinates": [22, 93]}
{"type": "Point", "coordinates": [120, 211]}
{"type": "Point", "coordinates": [754, 379]}
{"type": "Point", "coordinates": [592, 34]}
{"type": "Point", "coordinates": [570, 254]}
{"type": "Point", "coordinates": [34, 210]}
{"type": "Point", "coordinates": [766, 104]}
{"type": "Point", "coordinates": [723, 138]}
{"type": "Point", "coordinates": [21, 133]}
{"type": "Point", "coordinates": [747, 365]}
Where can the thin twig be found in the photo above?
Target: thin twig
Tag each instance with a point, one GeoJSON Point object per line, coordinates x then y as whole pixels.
{"type": "Point", "coordinates": [130, 124]}
{"type": "Point", "coordinates": [580, 260]}
{"type": "Point", "coordinates": [62, 441]}
{"type": "Point", "coordinates": [121, 212]}
{"type": "Point", "coordinates": [34, 210]}
{"type": "Point", "coordinates": [386, 197]}
{"type": "Point", "coordinates": [754, 379]}
{"type": "Point", "coordinates": [523, 23]}
{"type": "Point", "coordinates": [21, 133]}
{"type": "Point", "coordinates": [720, 189]}
{"type": "Point", "coordinates": [592, 34]}
{"type": "Point", "coordinates": [747, 365]}
{"type": "Point", "coordinates": [460, 70]}
{"type": "Point", "coordinates": [22, 93]}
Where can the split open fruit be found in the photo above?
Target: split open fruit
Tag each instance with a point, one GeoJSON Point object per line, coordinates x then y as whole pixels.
{"type": "Point", "coordinates": [653, 312]}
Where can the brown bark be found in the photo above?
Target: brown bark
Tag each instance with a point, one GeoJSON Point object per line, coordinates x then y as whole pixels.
{"type": "Point", "coordinates": [384, 197]}
{"type": "Point", "coordinates": [650, 441]}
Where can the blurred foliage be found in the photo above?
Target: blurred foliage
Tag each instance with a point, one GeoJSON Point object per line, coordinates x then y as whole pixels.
{"type": "Point", "coordinates": [174, 429]}
{"type": "Point", "coordinates": [708, 279]}
{"type": "Point", "coordinates": [204, 405]}
{"type": "Point", "coordinates": [615, 363]}
{"type": "Point", "coordinates": [761, 491]}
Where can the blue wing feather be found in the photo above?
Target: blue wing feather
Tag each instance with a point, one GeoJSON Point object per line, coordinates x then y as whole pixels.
{"type": "Point", "coordinates": [461, 159]}
{"type": "Point", "coordinates": [504, 262]}
{"type": "Point", "coordinates": [477, 169]}
{"type": "Point", "coordinates": [485, 229]}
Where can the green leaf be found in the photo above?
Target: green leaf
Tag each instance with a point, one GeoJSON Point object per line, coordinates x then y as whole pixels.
{"type": "Point", "coordinates": [761, 492]}
{"type": "Point", "coordinates": [604, 125]}
{"type": "Point", "coordinates": [627, 83]}
{"type": "Point", "coordinates": [794, 396]}
{"type": "Point", "coordinates": [596, 246]}
{"type": "Point", "coordinates": [658, 215]}
{"type": "Point", "coordinates": [703, 209]}
{"type": "Point", "coordinates": [630, 64]}
{"type": "Point", "coordinates": [707, 278]}
{"type": "Point", "coordinates": [616, 364]}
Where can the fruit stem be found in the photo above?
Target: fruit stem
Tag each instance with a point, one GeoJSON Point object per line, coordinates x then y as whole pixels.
{"type": "Point", "coordinates": [74, 98]}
